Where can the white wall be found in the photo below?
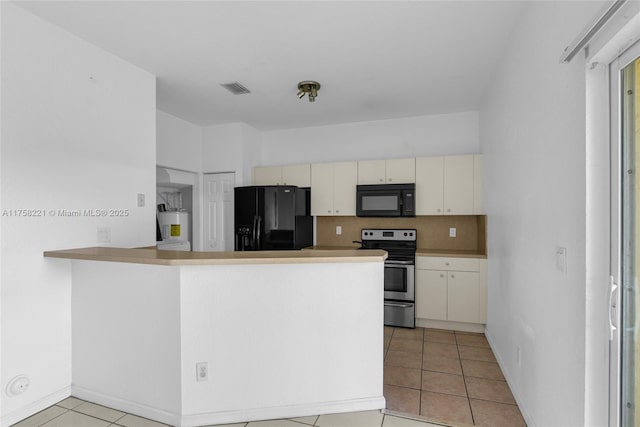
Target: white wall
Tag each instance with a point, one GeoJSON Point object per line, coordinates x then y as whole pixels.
{"type": "Point", "coordinates": [179, 143]}
{"type": "Point", "coordinates": [231, 148]}
{"type": "Point", "coordinates": [407, 137]}
{"type": "Point", "coordinates": [532, 133]}
{"type": "Point", "coordinates": [78, 133]}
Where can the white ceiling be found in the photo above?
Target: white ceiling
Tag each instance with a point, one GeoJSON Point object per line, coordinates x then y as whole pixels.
{"type": "Point", "coordinates": [375, 60]}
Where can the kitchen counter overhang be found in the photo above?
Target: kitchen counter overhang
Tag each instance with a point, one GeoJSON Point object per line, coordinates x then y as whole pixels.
{"type": "Point", "coordinates": [163, 257]}
{"type": "Point", "coordinates": [283, 334]}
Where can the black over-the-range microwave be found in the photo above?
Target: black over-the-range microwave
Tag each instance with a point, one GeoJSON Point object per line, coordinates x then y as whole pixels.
{"type": "Point", "coordinates": [386, 200]}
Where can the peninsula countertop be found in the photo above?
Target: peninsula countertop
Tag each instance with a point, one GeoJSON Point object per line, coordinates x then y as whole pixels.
{"type": "Point", "coordinates": [164, 257]}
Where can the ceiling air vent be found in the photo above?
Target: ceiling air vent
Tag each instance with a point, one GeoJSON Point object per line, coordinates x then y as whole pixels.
{"type": "Point", "coordinates": [235, 88]}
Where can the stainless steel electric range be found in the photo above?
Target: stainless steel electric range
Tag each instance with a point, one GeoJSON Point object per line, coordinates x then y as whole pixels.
{"type": "Point", "coordinates": [399, 272]}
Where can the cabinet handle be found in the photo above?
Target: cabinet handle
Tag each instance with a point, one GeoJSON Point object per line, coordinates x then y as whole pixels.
{"type": "Point", "coordinates": [439, 210]}
{"type": "Point", "coordinates": [446, 263]}
{"type": "Point", "coordinates": [390, 180]}
{"type": "Point", "coordinates": [381, 180]}
{"type": "Point", "coordinates": [442, 275]}
{"type": "Point", "coordinates": [337, 211]}
{"type": "Point", "coordinates": [448, 210]}
{"type": "Point", "coordinates": [453, 276]}
{"type": "Point", "coordinates": [328, 211]}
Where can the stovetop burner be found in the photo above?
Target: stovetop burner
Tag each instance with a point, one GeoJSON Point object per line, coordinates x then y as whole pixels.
{"type": "Point", "coordinates": [400, 244]}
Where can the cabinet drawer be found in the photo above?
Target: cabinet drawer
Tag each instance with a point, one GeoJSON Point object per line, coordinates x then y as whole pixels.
{"type": "Point", "coordinates": [447, 264]}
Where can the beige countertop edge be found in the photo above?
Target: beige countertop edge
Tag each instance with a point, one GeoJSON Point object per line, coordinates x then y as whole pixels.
{"type": "Point", "coordinates": [178, 258]}
{"type": "Point", "coordinates": [454, 253]}
{"type": "Point", "coordinates": [450, 253]}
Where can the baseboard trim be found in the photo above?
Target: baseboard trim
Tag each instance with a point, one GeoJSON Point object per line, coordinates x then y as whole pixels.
{"type": "Point", "coordinates": [135, 408]}
{"type": "Point", "coordinates": [507, 377]}
{"type": "Point", "coordinates": [279, 412]}
{"type": "Point", "coordinates": [445, 324]}
{"type": "Point", "coordinates": [35, 407]}
{"type": "Point", "coordinates": [232, 416]}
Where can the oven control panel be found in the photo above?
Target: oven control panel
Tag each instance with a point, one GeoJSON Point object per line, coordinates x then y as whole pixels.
{"type": "Point", "coordinates": [406, 235]}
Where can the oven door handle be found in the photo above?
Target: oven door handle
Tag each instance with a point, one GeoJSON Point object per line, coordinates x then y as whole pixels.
{"type": "Point", "coordinates": [398, 304]}
{"type": "Point", "coordinates": [394, 262]}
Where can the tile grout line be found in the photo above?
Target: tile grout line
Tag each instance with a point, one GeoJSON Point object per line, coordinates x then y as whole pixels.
{"type": "Point", "coordinates": [464, 380]}
{"type": "Point", "coordinates": [98, 418]}
{"type": "Point", "coordinates": [57, 416]}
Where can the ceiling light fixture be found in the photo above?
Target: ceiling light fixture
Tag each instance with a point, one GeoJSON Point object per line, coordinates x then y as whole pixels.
{"type": "Point", "coordinates": [310, 87]}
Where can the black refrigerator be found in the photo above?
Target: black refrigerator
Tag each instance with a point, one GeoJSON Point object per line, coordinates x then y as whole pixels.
{"type": "Point", "coordinates": [272, 217]}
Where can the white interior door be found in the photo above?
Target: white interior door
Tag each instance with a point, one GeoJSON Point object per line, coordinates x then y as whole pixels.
{"type": "Point", "coordinates": [218, 211]}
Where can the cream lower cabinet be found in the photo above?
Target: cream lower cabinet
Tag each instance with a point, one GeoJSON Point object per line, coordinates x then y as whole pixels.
{"type": "Point", "coordinates": [451, 289]}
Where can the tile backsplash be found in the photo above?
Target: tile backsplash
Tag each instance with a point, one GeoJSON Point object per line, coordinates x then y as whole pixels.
{"type": "Point", "coordinates": [433, 231]}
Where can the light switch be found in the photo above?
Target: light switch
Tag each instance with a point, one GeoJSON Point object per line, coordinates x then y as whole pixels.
{"type": "Point", "coordinates": [561, 259]}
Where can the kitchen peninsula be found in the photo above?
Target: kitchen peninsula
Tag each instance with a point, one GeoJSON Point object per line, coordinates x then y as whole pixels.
{"type": "Point", "coordinates": [190, 338]}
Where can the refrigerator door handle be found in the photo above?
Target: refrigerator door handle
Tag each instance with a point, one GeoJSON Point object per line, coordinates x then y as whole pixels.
{"type": "Point", "coordinates": [254, 238]}
{"type": "Point", "coordinates": [259, 234]}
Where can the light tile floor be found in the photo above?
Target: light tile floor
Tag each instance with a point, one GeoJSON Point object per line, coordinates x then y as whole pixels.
{"type": "Point", "coordinates": [448, 377]}
{"type": "Point", "coordinates": [73, 412]}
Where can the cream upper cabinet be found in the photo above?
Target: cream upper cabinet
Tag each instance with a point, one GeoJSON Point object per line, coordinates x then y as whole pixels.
{"type": "Point", "coordinates": [267, 175]}
{"type": "Point", "coordinates": [333, 189]}
{"type": "Point", "coordinates": [449, 185]}
{"type": "Point", "coordinates": [371, 172]}
{"type": "Point", "coordinates": [430, 186]}
{"type": "Point", "coordinates": [392, 171]}
{"type": "Point", "coordinates": [478, 172]}
{"type": "Point", "coordinates": [451, 289]}
{"type": "Point", "coordinates": [299, 175]}
{"type": "Point", "coordinates": [458, 185]}
{"type": "Point", "coordinates": [345, 177]}
{"type": "Point", "coordinates": [401, 171]}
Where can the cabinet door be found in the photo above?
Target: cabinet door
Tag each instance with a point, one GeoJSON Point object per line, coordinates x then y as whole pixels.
{"type": "Point", "coordinates": [431, 294]}
{"type": "Point", "coordinates": [458, 185]}
{"type": "Point", "coordinates": [345, 178]}
{"type": "Point", "coordinates": [299, 175]}
{"type": "Point", "coordinates": [371, 172]}
{"type": "Point", "coordinates": [477, 184]}
{"type": "Point", "coordinates": [267, 175]}
{"type": "Point", "coordinates": [429, 186]}
{"type": "Point", "coordinates": [322, 189]}
{"type": "Point", "coordinates": [463, 293]}
{"type": "Point", "coordinates": [401, 171]}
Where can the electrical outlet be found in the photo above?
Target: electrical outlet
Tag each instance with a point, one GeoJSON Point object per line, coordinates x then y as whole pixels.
{"type": "Point", "coordinates": [202, 371]}
{"type": "Point", "coordinates": [338, 230]}
{"type": "Point", "coordinates": [452, 232]}
{"type": "Point", "coordinates": [140, 200]}
{"type": "Point", "coordinates": [104, 234]}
